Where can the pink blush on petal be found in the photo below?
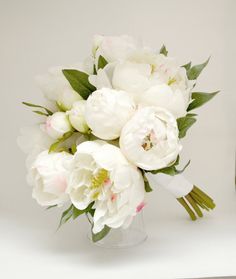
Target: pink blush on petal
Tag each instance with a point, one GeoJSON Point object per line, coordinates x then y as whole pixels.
{"type": "Point", "coordinates": [60, 183]}
{"type": "Point", "coordinates": [48, 124]}
{"type": "Point", "coordinates": [113, 197]}
{"type": "Point", "coordinates": [140, 207]}
{"type": "Point", "coordinates": [107, 182]}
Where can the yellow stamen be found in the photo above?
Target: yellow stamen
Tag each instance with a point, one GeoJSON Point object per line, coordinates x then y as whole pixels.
{"type": "Point", "coordinates": [99, 179]}
{"type": "Point", "coordinates": [171, 81]}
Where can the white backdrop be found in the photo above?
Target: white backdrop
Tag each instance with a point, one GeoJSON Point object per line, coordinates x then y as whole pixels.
{"type": "Point", "coordinates": [38, 34]}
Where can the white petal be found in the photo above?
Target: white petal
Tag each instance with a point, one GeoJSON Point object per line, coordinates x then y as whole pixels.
{"type": "Point", "coordinates": [109, 156]}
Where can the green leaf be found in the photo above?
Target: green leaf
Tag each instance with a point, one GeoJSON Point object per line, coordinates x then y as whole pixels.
{"type": "Point", "coordinates": [200, 98]}
{"type": "Point", "coordinates": [77, 212]}
{"type": "Point", "coordinates": [187, 66]}
{"type": "Point", "coordinates": [56, 144]}
{"type": "Point", "coordinates": [100, 235]}
{"type": "Point", "coordinates": [147, 185]}
{"type": "Point", "coordinates": [170, 170]}
{"type": "Point", "coordinates": [194, 72]}
{"type": "Point", "coordinates": [73, 148]}
{"type": "Point", "coordinates": [79, 82]}
{"type": "Point", "coordinates": [94, 70]}
{"type": "Point", "coordinates": [184, 123]}
{"type": "Point", "coordinates": [192, 114]}
{"type": "Point", "coordinates": [163, 50]}
{"type": "Point", "coordinates": [40, 112]}
{"type": "Point", "coordinates": [61, 107]}
{"type": "Point", "coordinates": [102, 62]}
{"type": "Point", "coordinates": [183, 169]}
{"type": "Point", "coordinates": [51, 206]}
{"type": "Point", "coordinates": [37, 106]}
{"type": "Point", "coordinates": [66, 215]}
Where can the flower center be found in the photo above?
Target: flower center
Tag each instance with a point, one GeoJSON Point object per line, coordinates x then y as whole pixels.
{"type": "Point", "coordinates": [149, 141]}
{"type": "Point", "coordinates": [98, 181]}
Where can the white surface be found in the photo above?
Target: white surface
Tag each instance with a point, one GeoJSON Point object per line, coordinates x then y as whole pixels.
{"type": "Point", "coordinates": [38, 34]}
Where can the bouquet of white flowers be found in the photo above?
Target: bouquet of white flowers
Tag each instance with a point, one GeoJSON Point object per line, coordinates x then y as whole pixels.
{"type": "Point", "coordinates": [112, 126]}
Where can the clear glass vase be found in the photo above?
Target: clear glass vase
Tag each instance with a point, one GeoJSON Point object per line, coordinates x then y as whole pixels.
{"type": "Point", "coordinates": [121, 238]}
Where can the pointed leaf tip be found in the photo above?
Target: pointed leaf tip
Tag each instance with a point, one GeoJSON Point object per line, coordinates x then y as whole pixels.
{"type": "Point", "coordinates": [194, 72]}
{"type": "Point", "coordinates": [200, 98]}
{"type": "Point", "coordinates": [163, 50]}
{"type": "Point", "coordinates": [79, 82]}
{"type": "Point", "coordinates": [102, 62]}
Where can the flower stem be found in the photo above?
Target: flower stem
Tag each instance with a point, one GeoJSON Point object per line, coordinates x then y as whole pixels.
{"type": "Point", "coordinates": [197, 199]}
{"type": "Point", "coordinates": [188, 209]}
{"type": "Point", "coordinates": [194, 205]}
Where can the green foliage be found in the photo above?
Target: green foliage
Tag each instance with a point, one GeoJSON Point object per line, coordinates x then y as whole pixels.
{"type": "Point", "coordinates": [73, 148]}
{"type": "Point", "coordinates": [194, 72]}
{"type": "Point", "coordinates": [102, 62]}
{"type": "Point", "coordinates": [147, 186]}
{"type": "Point", "coordinates": [79, 82]}
{"type": "Point", "coordinates": [73, 212]}
{"type": "Point", "coordinates": [100, 235]}
{"type": "Point", "coordinates": [171, 170]}
{"type": "Point", "coordinates": [200, 98]}
{"type": "Point", "coordinates": [66, 215]}
{"type": "Point", "coordinates": [163, 50]}
{"type": "Point", "coordinates": [40, 112]}
{"type": "Point", "coordinates": [184, 123]}
{"type": "Point", "coordinates": [61, 107]}
{"type": "Point", "coordinates": [187, 66]}
{"type": "Point", "coordinates": [54, 147]}
{"type": "Point", "coordinates": [48, 112]}
{"type": "Point", "coordinates": [51, 206]}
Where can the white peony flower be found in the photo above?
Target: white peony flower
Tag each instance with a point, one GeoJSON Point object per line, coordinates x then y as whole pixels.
{"type": "Point", "coordinates": [114, 48]}
{"type": "Point", "coordinates": [49, 176]}
{"type": "Point", "coordinates": [145, 70]}
{"type": "Point", "coordinates": [132, 77]}
{"type": "Point", "coordinates": [101, 174]}
{"type": "Point", "coordinates": [57, 124]}
{"type": "Point", "coordinates": [107, 111]}
{"type": "Point", "coordinates": [32, 141]}
{"type": "Point", "coordinates": [77, 116]}
{"type": "Point", "coordinates": [176, 101]}
{"type": "Point", "coordinates": [56, 88]}
{"type": "Point", "coordinates": [166, 70]}
{"type": "Point", "coordinates": [150, 138]}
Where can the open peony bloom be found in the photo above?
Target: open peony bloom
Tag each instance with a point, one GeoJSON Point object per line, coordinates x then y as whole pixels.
{"type": "Point", "coordinates": [57, 124]}
{"type": "Point", "coordinates": [48, 175]}
{"type": "Point", "coordinates": [101, 174]}
{"type": "Point", "coordinates": [107, 111]}
{"type": "Point", "coordinates": [150, 138]}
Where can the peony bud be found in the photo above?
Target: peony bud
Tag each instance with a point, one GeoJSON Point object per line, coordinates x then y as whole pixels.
{"type": "Point", "coordinates": [77, 118]}
{"type": "Point", "coordinates": [57, 124]}
{"type": "Point", "coordinates": [107, 111]}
